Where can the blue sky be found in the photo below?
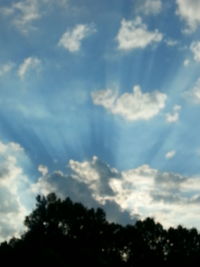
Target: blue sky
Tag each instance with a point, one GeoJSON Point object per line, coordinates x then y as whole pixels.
{"type": "Point", "coordinates": [100, 100]}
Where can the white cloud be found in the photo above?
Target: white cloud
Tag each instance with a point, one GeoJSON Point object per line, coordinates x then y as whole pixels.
{"type": "Point", "coordinates": [131, 106]}
{"type": "Point", "coordinates": [149, 7]}
{"type": "Point", "coordinates": [71, 40]}
{"type": "Point", "coordinates": [43, 169]}
{"type": "Point", "coordinates": [186, 62]}
{"type": "Point", "coordinates": [170, 154]}
{"type": "Point", "coordinates": [145, 191]}
{"type": "Point", "coordinates": [189, 11]}
{"type": "Point", "coordinates": [30, 63]}
{"type": "Point", "coordinates": [134, 34]}
{"type": "Point", "coordinates": [13, 190]}
{"type": "Point", "coordinates": [194, 93]}
{"type": "Point", "coordinates": [174, 115]}
{"type": "Point", "coordinates": [171, 42]}
{"type": "Point", "coordinates": [195, 48]}
{"type": "Point", "coordinates": [24, 13]}
{"type": "Point", "coordinates": [5, 68]}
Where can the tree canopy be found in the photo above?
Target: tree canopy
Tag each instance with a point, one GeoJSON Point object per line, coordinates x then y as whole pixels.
{"type": "Point", "coordinates": [64, 233]}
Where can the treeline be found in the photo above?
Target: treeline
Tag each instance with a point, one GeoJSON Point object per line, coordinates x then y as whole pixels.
{"type": "Point", "coordinates": [63, 233]}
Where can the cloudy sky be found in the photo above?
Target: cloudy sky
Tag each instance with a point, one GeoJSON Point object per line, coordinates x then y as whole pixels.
{"type": "Point", "coordinates": [100, 101]}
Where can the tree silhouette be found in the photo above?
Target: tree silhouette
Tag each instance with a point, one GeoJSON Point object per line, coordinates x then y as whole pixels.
{"type": "Point", "coordinates": [64, 233]}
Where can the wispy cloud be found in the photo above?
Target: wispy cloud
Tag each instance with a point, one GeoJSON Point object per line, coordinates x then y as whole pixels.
{"type": "Point", "coordinates": [170, 154]}
{"type": "Point", "coordinates": [43, 169]}
{"type": "Point", "coordinates": [131, 106]}
{"type": "Point", "coordinates": [25, 12]}
{"type": "Point", "coordinates": [194, 93]}
{"type": "Point", "coordinates": [174, 115]}
{"type": "Point", "coordinates": [171, 42]}
{"type": "Point", "coordinates": [135, 34]}
{"type": "Point", "coordinates": [71, 40]}
{"type": "Point", "coordinates": [5, 68]}
{"type": "Point", "coordinates": [189, 11]}
{"type": "Point", "coordinates": [195, 48]}
{"type": "Point", "coordinates": [186, 62]}
{"type": "Point", "coordinates": [30, 63]}
{"type": "Point", "coordinates": [149, 7]}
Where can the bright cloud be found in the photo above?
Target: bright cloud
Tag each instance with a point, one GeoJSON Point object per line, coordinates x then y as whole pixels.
{"type": "Point", "coordinates": [189, 11]}
{"type": "Point", "coordinates": [134, 34]}
{"type": "Point", "coordinates": [149, 7]}
{"type": "Point", "coordinates": [174, 115]}
{"type": "Point", "coordinates": [71, 40]}
{"type": "Point", "coordinates": [5, 68]}
{"type": "Point", "coordinates": [30, 63]}
{"type": "Point", "coordinates": [195, 48]}
{"type": "Point", "coordinates": [131, 106]}
{"type": "Point", "coordinates": [13, 187]}
{"type": "Point", "coordinates": [143, 190]}
{"type": "Point", "coordinates": [170, 154]}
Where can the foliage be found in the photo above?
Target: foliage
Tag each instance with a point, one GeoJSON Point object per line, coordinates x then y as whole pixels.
{"type": "Point", "coordinates": [63, 233]}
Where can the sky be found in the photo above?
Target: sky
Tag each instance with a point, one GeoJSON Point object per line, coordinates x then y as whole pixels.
{"type": "Point", "coordinates": [100, 101]}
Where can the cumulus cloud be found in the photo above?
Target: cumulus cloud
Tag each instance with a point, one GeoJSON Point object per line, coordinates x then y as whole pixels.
{"type": "Point", "coordinates": [5, 68]}
{"type": "Point", "coordinates": [195, 48]}
{"type": "Point", "coordinates": [135, 34]}
{"type": "Point", "coordinates": [170, 154]}
{"type": "Point", "coordinates": [30, 63]}
{"type": "Point", "coordinates": [13, 188]}
{"type": "Point", "coordinates": [71, 40]}
{"type": "Point", "coordinates": [145, 191]}
{"type": "Point", "coordinates": [123, 194]}
{"type": "Point", "coordinates": [149, 7]}
{"type": "Point", "coordinates": [174, 115]}
{"type": "Point", "coordinates": [131, 106]}
{"type": "Point", "coordinates": [86, 182]}
{"type": "Point", "coordinates": [189, 11]}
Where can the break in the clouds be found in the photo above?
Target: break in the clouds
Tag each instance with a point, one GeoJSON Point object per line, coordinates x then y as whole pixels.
{"type": "Point", "coordinates": [195, 48]}
{"type": "Point", "coordinates": [149, 7]}
{"type": "Point", "coordinates": [131, 106]}
{"type": "Point", "coordinates": [30, 63]}
{"type": "Point", "coordinates": [71, 40]}
{"type": "Point", "coordinates": [174, 115]}
{"type": "Point", "coordinates": [189, 11]}
{"type": "Point", "coordinates": [134, 34]}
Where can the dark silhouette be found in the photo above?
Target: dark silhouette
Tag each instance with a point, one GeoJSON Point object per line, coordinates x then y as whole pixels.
{"type": "Point", "coordinates": [63, 233]}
